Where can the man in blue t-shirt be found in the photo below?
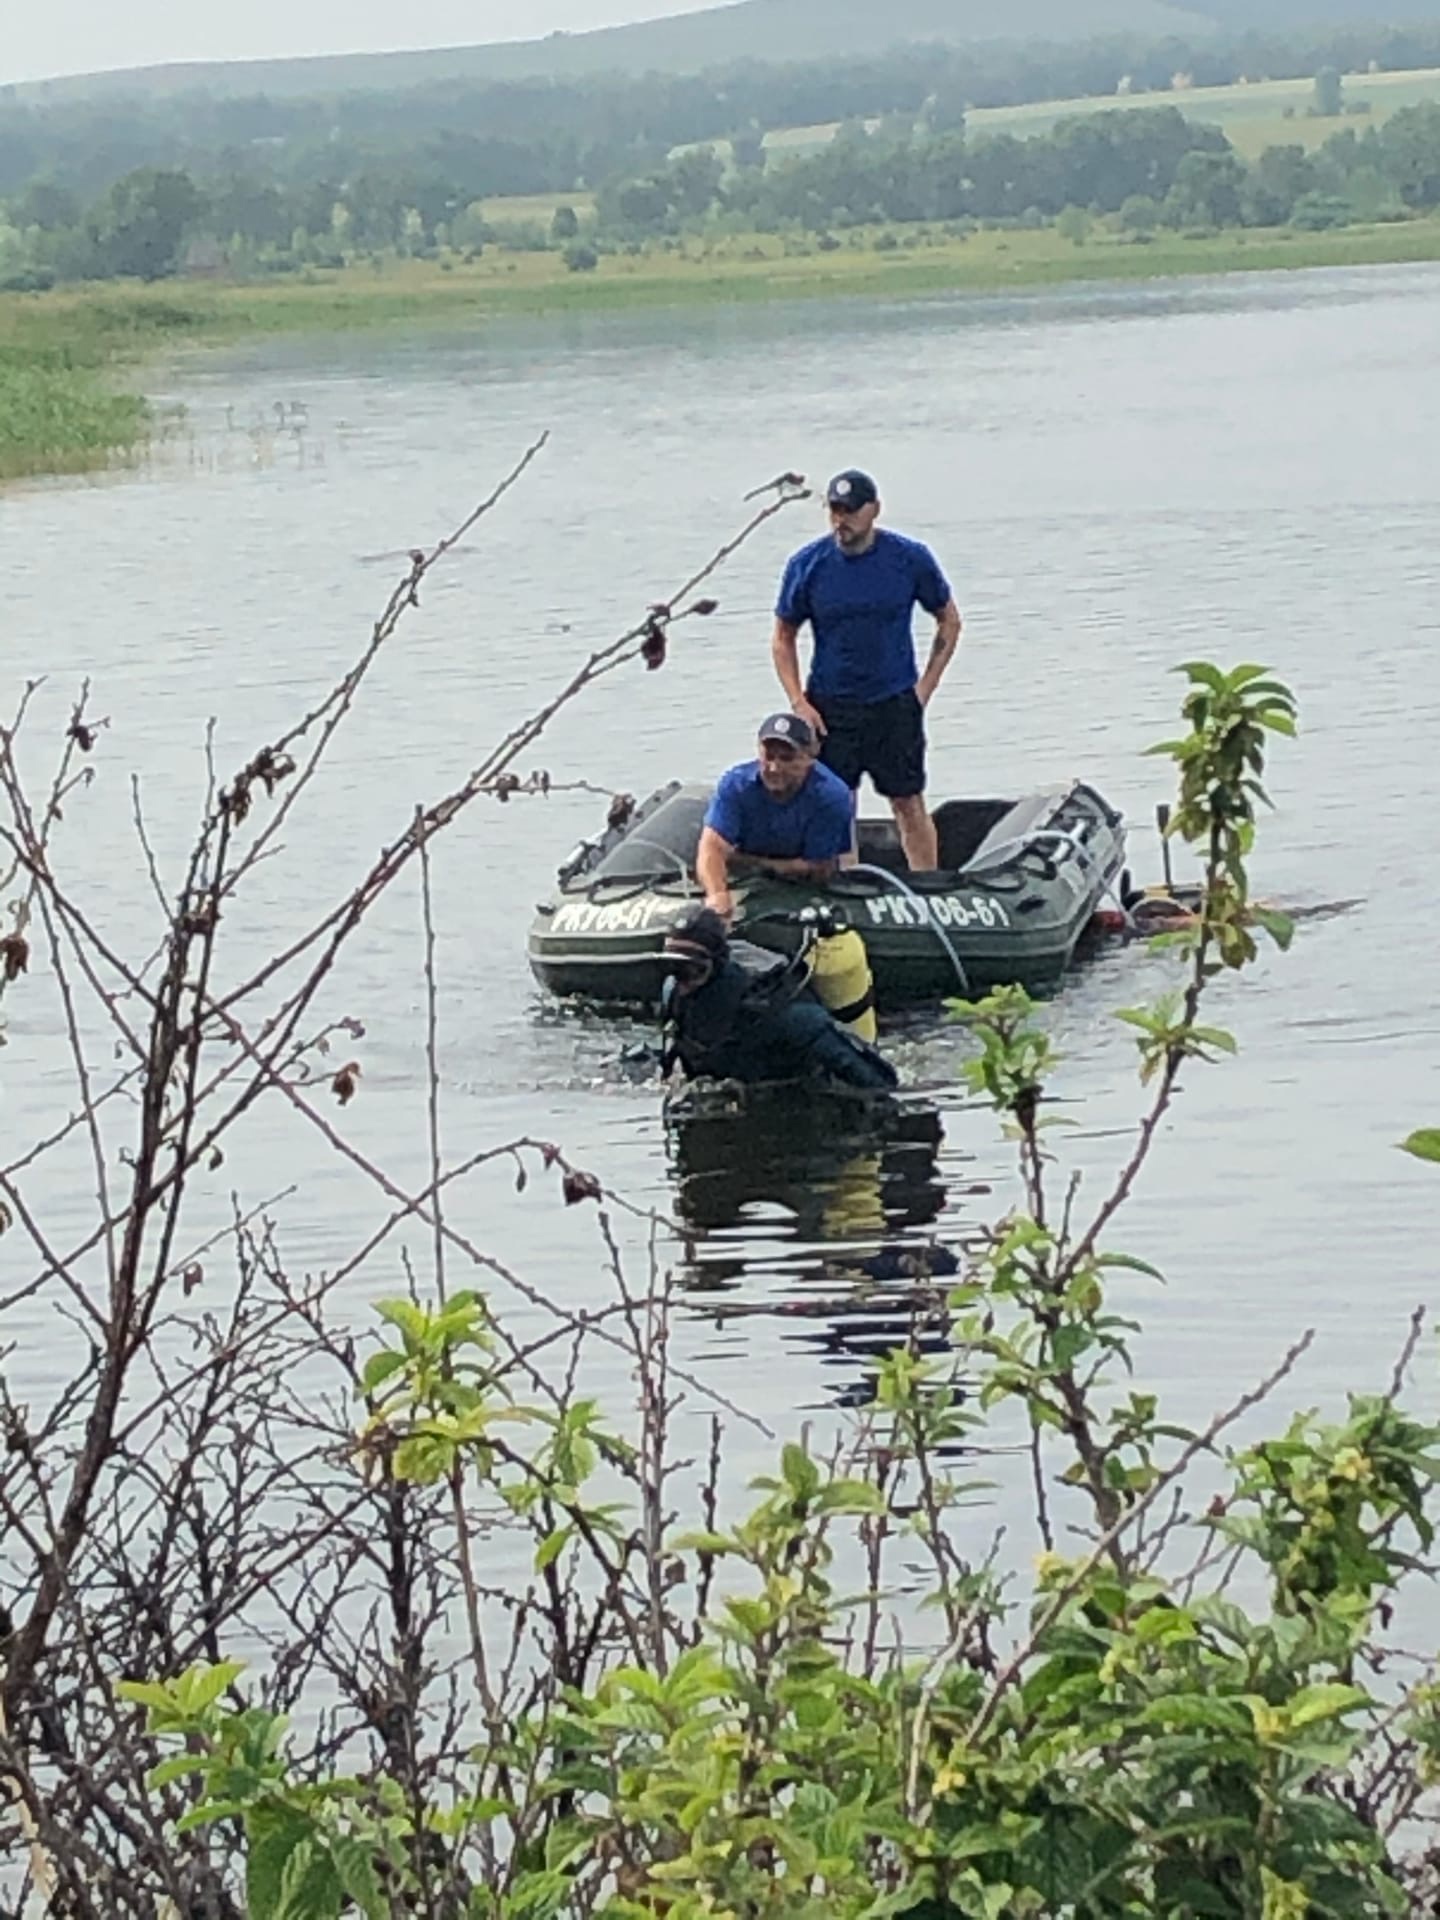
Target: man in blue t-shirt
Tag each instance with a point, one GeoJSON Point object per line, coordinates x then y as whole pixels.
{"type": "Point", "coordinates": [858, 587]}
{"type": "Point", "coordinates": [781, 812]}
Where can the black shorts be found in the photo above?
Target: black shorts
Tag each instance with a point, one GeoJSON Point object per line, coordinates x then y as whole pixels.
{"type": "Point", "coordinates": [884, 738]}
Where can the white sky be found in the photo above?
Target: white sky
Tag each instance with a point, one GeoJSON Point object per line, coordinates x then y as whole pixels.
{"type": "Point", "coordinates": [40, 39]}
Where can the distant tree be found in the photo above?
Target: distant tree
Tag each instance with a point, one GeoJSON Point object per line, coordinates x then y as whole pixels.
{"type": "Point", "coordinates": [142, 222]}
{"type": "Point", "coordinates": [1329, 100]}
{"type": "Point", "coordinates": [564, 225]}
{"type": "Point", "coordinates": [1314, 212]}
{"type": "Point", "coordinates": [642, 204]}
{"type": "Point", "coordinates": [943, 112]}
{"type": "Point", "coordinates": [747, 145]}
{"type": "Point", "coordinates": [896, 129]}
{"type": "Point", "coordinates": [694, 182]}
{"type": "Point", "coordinates": [581, 258]}
{"type": "Point", "coordinates": [1409, 149]}
{"type": "Point", "coordinates": [44, 204]}
{"type": "Point", "coordinates": [1140, 214]}
{"type": "Point", "coordinates": [1371, 196]}
{"type": "Point", "coordinates": [470, 229]}
{"type": "Point", "coordinates": [1276, 181]}
{"type": "Point", "coordinates": [1074, 224]}
{"type": "Point", "coordinates": [1206, 191]}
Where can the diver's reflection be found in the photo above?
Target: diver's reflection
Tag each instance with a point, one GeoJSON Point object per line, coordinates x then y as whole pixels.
{"type": "Point", "coordinates": [849, 1193]}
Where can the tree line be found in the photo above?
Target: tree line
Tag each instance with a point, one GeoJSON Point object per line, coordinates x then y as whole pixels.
{"type": "Point", "coordinates": [1152, 163]}
{"type": "Point", "coordinates": [1150, 166]}
{"type": "Point", "coordinates": [541, 136]}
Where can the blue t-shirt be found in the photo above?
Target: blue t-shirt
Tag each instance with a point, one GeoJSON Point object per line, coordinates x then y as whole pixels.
{"type": "Point", "coordinates": [813, 825]}
{"type": "Point", "coordinates": [860, 607]}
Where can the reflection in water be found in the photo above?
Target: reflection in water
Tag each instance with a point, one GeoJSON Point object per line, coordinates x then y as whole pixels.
{"type": "Point", "coordinates": [823, 1214]}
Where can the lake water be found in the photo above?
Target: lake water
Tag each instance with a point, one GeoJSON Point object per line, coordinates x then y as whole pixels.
{"type": "Point", "coordinates": [1116, 480]}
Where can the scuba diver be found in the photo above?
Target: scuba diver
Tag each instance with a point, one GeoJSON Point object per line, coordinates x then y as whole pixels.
{"type": "Point", "coordinates": [729, 1022]}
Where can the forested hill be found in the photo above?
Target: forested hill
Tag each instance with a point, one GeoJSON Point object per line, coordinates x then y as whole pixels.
{"type": "Point", "coordinates": [762, 30]}
{"type": "Point", "coordinates": [769, 31]}
{"type": "Point", "coordinates": [1288, 16]}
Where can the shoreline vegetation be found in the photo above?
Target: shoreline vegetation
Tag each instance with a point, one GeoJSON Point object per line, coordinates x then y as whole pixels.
{"type": "Point", "coordinates": [70, 359]}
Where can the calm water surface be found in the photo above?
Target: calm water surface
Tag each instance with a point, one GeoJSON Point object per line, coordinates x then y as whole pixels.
{"type": "Point", "coordinates": [1117, 481]}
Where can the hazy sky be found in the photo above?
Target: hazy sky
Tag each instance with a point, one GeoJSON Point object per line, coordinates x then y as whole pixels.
{"type": "Point", "coordinates": [39, 38]}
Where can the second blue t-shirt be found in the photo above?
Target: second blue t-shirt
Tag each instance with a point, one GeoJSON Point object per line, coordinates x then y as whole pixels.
{"type": "Point", "coordinates": [813, 825]}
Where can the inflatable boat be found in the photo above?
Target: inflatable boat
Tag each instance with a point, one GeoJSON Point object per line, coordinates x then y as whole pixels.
{"type": "Point", "coordinates": [1018, 884]}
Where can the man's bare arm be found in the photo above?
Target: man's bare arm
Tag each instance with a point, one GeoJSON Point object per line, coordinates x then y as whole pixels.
{"type": "Point", "coordinates": [942, 650]}
{"type": "Point", "coordinates": [712, 870]}
{"type": "Point", "coordinates": [785, 652]}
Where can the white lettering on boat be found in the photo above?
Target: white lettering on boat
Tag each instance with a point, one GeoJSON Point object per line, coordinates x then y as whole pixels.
{"type": "Point", "coordinates": [620, 916]}
{"type": "Point", "coordinates": [946, 909]}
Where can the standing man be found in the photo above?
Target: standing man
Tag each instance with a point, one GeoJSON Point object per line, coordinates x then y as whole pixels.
{"type": "Point", "coordinates": [781, 813]}
{"type": "Point", "coordinates": [858, 587]}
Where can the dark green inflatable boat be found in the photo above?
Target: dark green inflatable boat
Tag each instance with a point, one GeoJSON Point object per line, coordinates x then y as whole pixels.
{"type": "Point", "coordinates": [1018, 885]}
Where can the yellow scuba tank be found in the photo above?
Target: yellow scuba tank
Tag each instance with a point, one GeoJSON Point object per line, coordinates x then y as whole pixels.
{"type": "Point", "coordinates": [840, 974]}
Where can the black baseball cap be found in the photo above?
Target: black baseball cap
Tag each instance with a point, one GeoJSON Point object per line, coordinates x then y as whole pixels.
{"type": "Point", "coordinates": [698, 939]}
{"type": "Point", "coordinates": [851, 490]}
{"type": "Point", "coordinates": [791, 730]}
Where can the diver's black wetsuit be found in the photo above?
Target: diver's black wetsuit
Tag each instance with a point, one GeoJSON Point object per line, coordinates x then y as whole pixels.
{"type": "Point", "coordinates": [740, 1027]}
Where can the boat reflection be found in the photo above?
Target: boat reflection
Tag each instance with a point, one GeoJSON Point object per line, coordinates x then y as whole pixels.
{"type": "Point", "coordinates": [821, 1214]}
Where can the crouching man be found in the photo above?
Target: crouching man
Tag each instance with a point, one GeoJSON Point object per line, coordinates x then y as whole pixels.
{"type": "Point", "coordinates": [780, 813]}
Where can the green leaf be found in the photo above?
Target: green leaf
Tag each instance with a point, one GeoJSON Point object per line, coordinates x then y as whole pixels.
{"type": "Point", "coordinates": [208, 1812]}
{"type": "Point", "coordinates": [1324, 1701]}
{"type": "Point", "coordinates": [355, 1868]}
{"type": "Point", "coordinates": [274, 1833]}
{"type": "Point", "coordinates": [309, 1885]}
{"type": "Point", "coordinates": [1279, 926]}
{"type": "Point", "coordinates": [1204, 674]}
{"type": "Point", "coordinates": [1142, 1018]}
{"type": "Point", "coordinates": [145, 1693]}
{"type": "Point", "coordinates": [1215, 1037]}
{"type": "Point", "coordinates": [1164, 1623]}
{"type": "Point", "coordinates": [1197, 1710]}
{"type": "Point", "coordinates": [1424, 1144]}
{"type": "Point", "coordinates": [551, 1548]}
{"type": "Point", "coordinates": [802, 1476]}
{"type": "Point", "coordinates": [201, 1687]}
{"type": "Point", "coordinates": [411, 1322]}
{"type": "Point", "coordinates": [1130, 1264]}
{"type": "Point", "coordinates": [378, 1369]}
{"type": "Point", "coordinates": [703, 1543]}
{"type": "Point", "coordinates": [177, 1768]}
{"type": "Point", "coordinates": [850, 1496]}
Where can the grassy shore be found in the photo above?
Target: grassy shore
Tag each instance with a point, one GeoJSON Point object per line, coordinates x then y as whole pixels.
{"type": "Point", "coordinates": [65, 357]}
{"type": "Point", "coordinates": [60, 411]}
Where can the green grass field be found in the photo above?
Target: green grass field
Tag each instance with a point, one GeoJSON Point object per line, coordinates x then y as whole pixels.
{"type": "Point", "coordinates": [69, 360]}
{"type": "Point", "coordinates": [512, 208]}
{"type": "Point", "coordinates": [1253, 117]}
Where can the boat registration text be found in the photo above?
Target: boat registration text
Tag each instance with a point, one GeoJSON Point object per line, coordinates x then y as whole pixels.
{"type": "Point", "coordinates": [619, 916]}
{"type": "Point", "coordinates": [942, 909]}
